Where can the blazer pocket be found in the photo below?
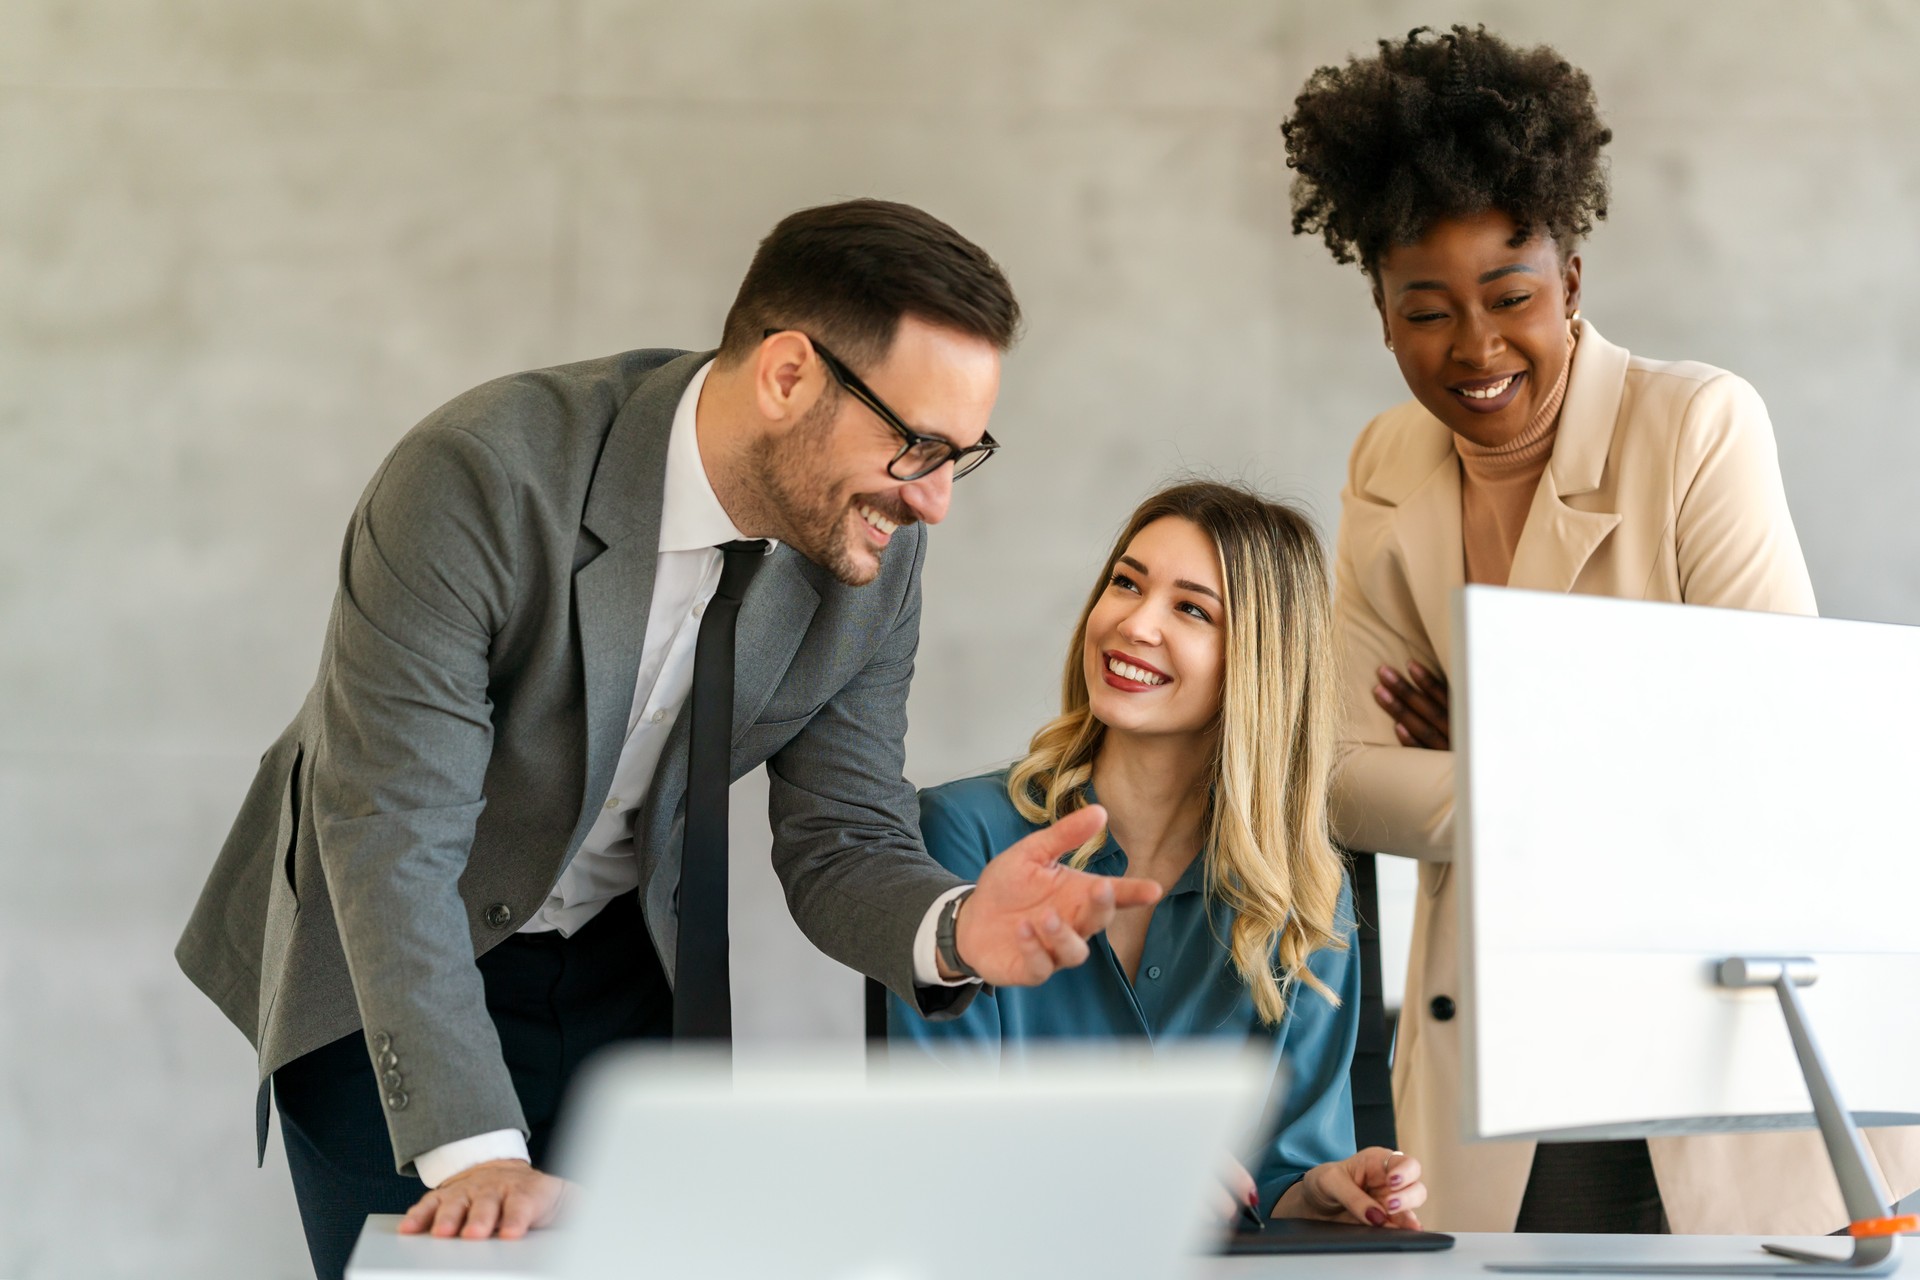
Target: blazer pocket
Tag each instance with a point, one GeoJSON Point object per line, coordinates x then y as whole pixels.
{"type": "Point", "coordinates": [288, 837]}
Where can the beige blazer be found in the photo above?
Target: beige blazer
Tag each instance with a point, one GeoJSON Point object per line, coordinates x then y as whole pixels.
{"type": "Point", "coordinates": [1664, 485]}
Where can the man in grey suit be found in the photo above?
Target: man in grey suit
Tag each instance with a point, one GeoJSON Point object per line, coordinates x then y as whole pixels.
{"type": "Point", "coordinates": [458, 870]}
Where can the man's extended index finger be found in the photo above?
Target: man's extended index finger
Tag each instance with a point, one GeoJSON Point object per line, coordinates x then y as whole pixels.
{"type": "Point", "coordinates": [1134, 892]}
{"type": "Point", "coordinates": [1050, 844]}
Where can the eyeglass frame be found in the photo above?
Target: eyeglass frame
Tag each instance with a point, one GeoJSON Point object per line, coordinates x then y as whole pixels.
{"type": "Point", "coordinates": [909, 438]}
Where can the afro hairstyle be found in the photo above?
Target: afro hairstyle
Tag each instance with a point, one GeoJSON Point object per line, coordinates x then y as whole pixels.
{"type": "Point", "coordinates": [1444, 125]}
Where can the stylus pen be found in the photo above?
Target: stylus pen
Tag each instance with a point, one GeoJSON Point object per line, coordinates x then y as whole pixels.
{"type": "Point", "coordinates": [1250, 1219]}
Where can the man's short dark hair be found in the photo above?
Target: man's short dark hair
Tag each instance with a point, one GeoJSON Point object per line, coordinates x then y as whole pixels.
{"type": "Point", "coordinates": [846, 273]}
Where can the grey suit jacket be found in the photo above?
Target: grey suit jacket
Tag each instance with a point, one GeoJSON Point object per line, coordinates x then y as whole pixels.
{"type": "Point", "coordinates": [461, 737]}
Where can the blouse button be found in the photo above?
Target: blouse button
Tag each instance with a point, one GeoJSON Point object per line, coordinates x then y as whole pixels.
{"type": "Point", "coordinates": [1153, 972]}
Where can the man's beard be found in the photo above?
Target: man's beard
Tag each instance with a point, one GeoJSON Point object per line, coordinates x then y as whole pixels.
{"type": "Point", "coordinates": [796, 475]}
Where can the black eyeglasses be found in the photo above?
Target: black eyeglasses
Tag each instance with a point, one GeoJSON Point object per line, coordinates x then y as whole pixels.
{"type": "Point", "coordinates": [920, 455]}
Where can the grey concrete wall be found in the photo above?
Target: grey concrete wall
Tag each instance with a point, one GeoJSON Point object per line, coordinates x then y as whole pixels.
{"type": "Point", "coordinates": [245, 243]}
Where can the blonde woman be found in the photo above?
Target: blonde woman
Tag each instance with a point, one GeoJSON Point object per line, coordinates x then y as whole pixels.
{"type": "Point", "coordinates": [1198, 707]}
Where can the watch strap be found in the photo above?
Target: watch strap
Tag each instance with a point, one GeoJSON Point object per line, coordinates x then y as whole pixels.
{"type": "Point", "coordinates": [945, 943]}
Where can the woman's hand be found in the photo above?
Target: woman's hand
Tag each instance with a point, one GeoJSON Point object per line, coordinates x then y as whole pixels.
{"type": "Point", "coordinates": [1376, 1186]}
{"type": "Point", "coordinates": [1237, 1190]}
{"type": "Point", "coordinates": [1418, 704]}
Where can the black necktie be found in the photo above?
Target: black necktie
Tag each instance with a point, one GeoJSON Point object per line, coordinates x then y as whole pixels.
{"type": "Point", "coordinates": [702, 998]}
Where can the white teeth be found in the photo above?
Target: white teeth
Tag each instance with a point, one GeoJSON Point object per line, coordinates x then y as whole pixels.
{"type": "Point", "coordinates": [1489, 393]}
{"type": "Point", "coordinates": [877, 520]}
{"type": "Point", "coordinates": [1139, 675]}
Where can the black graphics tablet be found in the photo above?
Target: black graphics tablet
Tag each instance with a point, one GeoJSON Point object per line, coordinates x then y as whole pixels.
{"type": "Point", "coordinates": [1304, 1235]}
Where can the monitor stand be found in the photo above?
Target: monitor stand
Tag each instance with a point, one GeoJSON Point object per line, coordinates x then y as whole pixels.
{"type": "Point", "coordinates": [1874, 1230]}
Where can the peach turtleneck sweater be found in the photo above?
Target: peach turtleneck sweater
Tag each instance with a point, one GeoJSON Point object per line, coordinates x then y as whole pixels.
{"type": "Point", "coordinates": [1497, 486]}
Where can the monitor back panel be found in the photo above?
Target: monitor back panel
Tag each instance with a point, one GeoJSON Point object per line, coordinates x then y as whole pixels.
{"type": "Point", "coordinates": [1644, 789]}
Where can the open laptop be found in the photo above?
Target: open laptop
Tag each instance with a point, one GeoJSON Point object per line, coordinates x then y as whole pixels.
{"type": "Point", "coordinates": [914, 1173]}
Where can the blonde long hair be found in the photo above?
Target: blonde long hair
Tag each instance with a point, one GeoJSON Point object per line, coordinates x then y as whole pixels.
{"type": "Point", "coordinates": [1269, 855]}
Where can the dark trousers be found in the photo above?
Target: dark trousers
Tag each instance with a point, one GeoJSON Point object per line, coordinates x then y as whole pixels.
{"type": "Point", "coordinates": [553, 1000]}
{"type": "Point", "coordinates": [1593, 1188]}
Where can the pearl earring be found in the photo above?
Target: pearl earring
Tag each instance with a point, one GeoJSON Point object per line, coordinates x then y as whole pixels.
{"type": "Point", "coordinates": [1389, 344]}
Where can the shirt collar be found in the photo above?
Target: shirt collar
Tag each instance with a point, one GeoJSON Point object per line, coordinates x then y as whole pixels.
{"type": "Point", "coordinates": [691, 517]}
{"type": "Point", "coordinates": [1111, 859]}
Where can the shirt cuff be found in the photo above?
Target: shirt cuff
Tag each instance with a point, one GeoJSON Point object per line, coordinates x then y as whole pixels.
{"type": "Point", "coordinates": [926, 959]}
{"type": "Point", "coordinates": [441, 1163]}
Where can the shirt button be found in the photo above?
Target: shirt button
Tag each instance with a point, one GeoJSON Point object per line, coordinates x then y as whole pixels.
{"type": "Point", "coordinates": [659, 715]}
{"type": "Point", "coordinates": [613, 802]}
{"type": "Point", "coordinates": [699, 607]}
{"type": "Point", "coordinates": [1153, 972]}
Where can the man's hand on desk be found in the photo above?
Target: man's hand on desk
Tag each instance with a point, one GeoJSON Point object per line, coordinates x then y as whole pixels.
{"type": "Point", "coordinates": [506, 1198]}
{"type": "Point", "coordinates": [1031, 917]}
{"type": "Point", "coordinates": [1418, 703]}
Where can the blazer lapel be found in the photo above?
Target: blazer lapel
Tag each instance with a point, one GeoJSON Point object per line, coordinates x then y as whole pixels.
{"type": "Point", "coordinates": [613, 591]}
{"type": "Point", "coordinates": [1417, 489]}
{"type": "Point", "coordinates": [773, 621]}
{"type": "Point", "coordinates": [1426, 527]}
{"type": "Point", "coordinates": [1559, 539]}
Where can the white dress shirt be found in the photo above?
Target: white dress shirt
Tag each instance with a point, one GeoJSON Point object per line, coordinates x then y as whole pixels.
{"type": "Point", "coordinates": [693, 524]}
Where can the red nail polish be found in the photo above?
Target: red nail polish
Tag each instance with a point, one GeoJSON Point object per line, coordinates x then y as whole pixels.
{"type": "Point", "coordinates": [1376, 1217]}
{"type": "Point", "coordinates": [1253, 1201]}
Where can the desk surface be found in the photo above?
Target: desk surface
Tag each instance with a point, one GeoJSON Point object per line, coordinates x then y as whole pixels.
{"type": "Point", "coordinates": [383, 1254]}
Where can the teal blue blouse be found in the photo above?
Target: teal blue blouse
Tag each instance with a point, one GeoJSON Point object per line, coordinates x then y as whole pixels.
{"type": "Point", "coordinates": [1186, 988]}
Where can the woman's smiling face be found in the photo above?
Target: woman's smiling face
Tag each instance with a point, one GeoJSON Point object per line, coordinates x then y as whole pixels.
{"type": "Point", "coordinates": [1478, 326]}
{"type": "Point", "coordinates": [1156, 639]}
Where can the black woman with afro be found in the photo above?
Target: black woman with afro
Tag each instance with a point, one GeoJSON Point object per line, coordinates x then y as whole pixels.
{"type": "Point", "coordinates": [1460, 174]}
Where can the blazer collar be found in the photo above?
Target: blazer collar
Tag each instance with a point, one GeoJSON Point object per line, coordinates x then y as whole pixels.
{"type": "Point", "coordinates": [1588, 414]}
{"type": "Point", "coordinates": [629, 481]}
{"type": "Point", "coordinates": [1420, 481]}
{"type": "Point", "coordinates": [1558, 539]}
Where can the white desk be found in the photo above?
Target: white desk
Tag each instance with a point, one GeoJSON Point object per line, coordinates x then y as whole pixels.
{"type": "Point", "coordinates": [383, 1254]}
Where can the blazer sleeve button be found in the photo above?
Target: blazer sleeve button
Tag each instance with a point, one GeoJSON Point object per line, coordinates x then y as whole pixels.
{"type": "Point", "coordinates": [393, 1079]}
{"type": "Point", "coordinates": [499, 915]}
{"type": "Point", "coordinates": [382, 1042]}
{"type": "Point", "coordinates": [1442, 1008]}
{"type": "Point", "coordinates": [397, 1101]}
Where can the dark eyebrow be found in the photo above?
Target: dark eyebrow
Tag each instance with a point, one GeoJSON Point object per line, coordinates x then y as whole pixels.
{"type": "Point", "coordinates": [1497, 272]}
{"type": "Point", "coordinates": [1182, 583]}
{"type": "Point", "coordinates": [1440, 287]}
